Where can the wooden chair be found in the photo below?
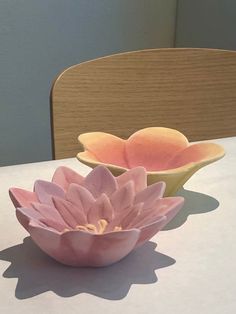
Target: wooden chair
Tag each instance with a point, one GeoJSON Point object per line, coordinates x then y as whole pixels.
{"type": "Point", "coordinates": [192, 90]}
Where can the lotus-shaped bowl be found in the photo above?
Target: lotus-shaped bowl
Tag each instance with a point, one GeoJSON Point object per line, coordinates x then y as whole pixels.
{"type": "Point", "coordinates": [94, 220]}
{"type": "Point", "coordinates": [165, 153]}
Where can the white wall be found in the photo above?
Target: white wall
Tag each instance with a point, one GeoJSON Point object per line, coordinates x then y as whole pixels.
{"type": "Point", "coordinates": [39, 38]}
{"type": "Point", "coordinates": [206, 23]}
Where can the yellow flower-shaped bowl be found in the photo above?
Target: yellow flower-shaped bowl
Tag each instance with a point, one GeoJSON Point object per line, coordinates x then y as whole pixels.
{"type": "Point", "coordinates": [166, 154]}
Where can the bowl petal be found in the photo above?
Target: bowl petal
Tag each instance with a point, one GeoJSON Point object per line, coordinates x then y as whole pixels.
{"type": "Point", "coordinates": [101, 209]}
{"type": "Point", "coordinates": [168, 206]}
{"type": "Point", "coordinates": [173, 180]}
{"type": "Point", "coordinates": [123, 197]}
{"type": "Point", "coordinates": [138, 175]}
{"type": "Point", "coordinates": [26, 215]}
{"type": "Point", "coordinates": [75, 212]}
{"type": "Point", "coordinates": [100, 180]}
{"type": "Point", "coordinates": [148, 231]}
{"type": "Point", "coordinates": [200, 153]}
{"type": "Point", "coordinates": [66, 210]}
{"type": "Point", "coordinates": [52, 244]}
{"type": "Point", "coordinates": [126, 218]}
{"type": "Point", "coordinates": [45, 190]}
{"type": "Point", "coordinates": [187, 162]}
{"type": "Point", "coordinates": [78, 248]}
{"type": "Point", "coordinates": [49, 213]}
{"type": "Point", "coordinates": [64, 176]}
{"type": "Point", "coordinates": [22, 198]}
{"type": "Point", "coordinates": [149, 195]}
{"type": "Point", "coordinates": [105, 147]}
{"type": "Point", "coordinates": [80, 196]}
{"type": "Point", "coordinates": [153, 147]}
{"type": "Point", "coordinates": [87, 159]}
{"type": "Point", "coordinates": [101, 250]}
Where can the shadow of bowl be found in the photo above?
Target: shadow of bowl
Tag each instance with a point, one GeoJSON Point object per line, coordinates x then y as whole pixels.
{"type": "Point", "coordinates": [195, 203]}
{"type": "Point", "coordinates": [38, 273]}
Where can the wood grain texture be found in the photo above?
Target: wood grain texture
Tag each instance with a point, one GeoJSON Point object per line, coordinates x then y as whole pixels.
{"type": "Point", "coordinates": [192, 90]}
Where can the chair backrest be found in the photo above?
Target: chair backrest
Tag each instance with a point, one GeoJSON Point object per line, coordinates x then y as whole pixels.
{"type": "Point", "coordinates": [192, 90]}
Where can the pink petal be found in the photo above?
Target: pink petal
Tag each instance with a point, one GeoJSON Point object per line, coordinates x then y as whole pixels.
{"type": "Point", "coordinates": [53, 224]}
{"type": "Point", "coordinates": [49, 213]}
{"type": "Point", "coordinates": [100, 180]}
{"type": "Point", "coordinates": [28, 215]}
{"type": "Point", "coordinates": [22, 198]}
{"type": "Point", "coordinates": [101, 250]}
{"type": "Point", "coordinates": [123, 197]}
{"type": "Point", "coordinates": [78, 248]}
{"type": "Point", "coordinates": [153, 147]}
{"type": "Point", "coordinates": [168, 206]}
{"type": "Point", "coordinates": [63, 208]}
{"type": "Point", "coordinates": [131, 213]}
{"type": "Point", "coordinates": [150, 194]}
{"type": "Point", "coordinates": [64, 176]}
{"type": "Point", "coordinates": [105, 147]}
{"type": "Point", "coordinates": [51, 243]}
{"type": "Point", "coordinates": [101, 209]}
{"type": "Point", "coordinates": [76, 212]}
{"type": "Point", "coordinates": [137, 175]}
{"type": "Point", "coordinates": [24, 215]}
{"type": "Point", "coordinates": [80, 197]}
{"type": "Point", "coordinates": [45, 190]}
{"type": "Point", "coordinates": [148, 231]}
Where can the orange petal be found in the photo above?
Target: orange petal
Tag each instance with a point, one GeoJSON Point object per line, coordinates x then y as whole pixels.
{"type": "Point", "coordinates": [107, 148]}
{"type": "Point", "coordinates": [88, 157]}
{"type": "Point", "coordinates": [153, 147]}
{"type": "Point", "coordinates": [201, 153]}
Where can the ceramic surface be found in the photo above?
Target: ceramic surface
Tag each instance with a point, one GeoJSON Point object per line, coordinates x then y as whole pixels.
{"type": "Point", "coordinates": [165, 153]}
{"type": "Point", "coordinates": [94, 220]}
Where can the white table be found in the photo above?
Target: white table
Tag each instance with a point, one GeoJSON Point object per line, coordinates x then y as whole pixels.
{"type": "Point", "coordinates": [192, 270]}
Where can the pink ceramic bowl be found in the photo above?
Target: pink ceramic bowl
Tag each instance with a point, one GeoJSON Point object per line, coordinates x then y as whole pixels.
{"type": "Point", "coordinates": [165, 153]}
{"type": "Point", "coordinates": [96, 220]}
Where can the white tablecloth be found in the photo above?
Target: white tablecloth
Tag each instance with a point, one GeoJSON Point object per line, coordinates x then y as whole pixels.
{"type": "Point", "coordinates": [189, 268]}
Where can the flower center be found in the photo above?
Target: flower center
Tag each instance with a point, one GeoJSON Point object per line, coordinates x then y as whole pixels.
{"type": "Point", "coordinates": [99, 229]}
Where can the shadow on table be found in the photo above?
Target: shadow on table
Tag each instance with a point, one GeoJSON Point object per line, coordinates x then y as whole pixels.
{"type": "Point", "coordinates": [38, 273]}
{"type": "Point", "coordinates": [195, 203]}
